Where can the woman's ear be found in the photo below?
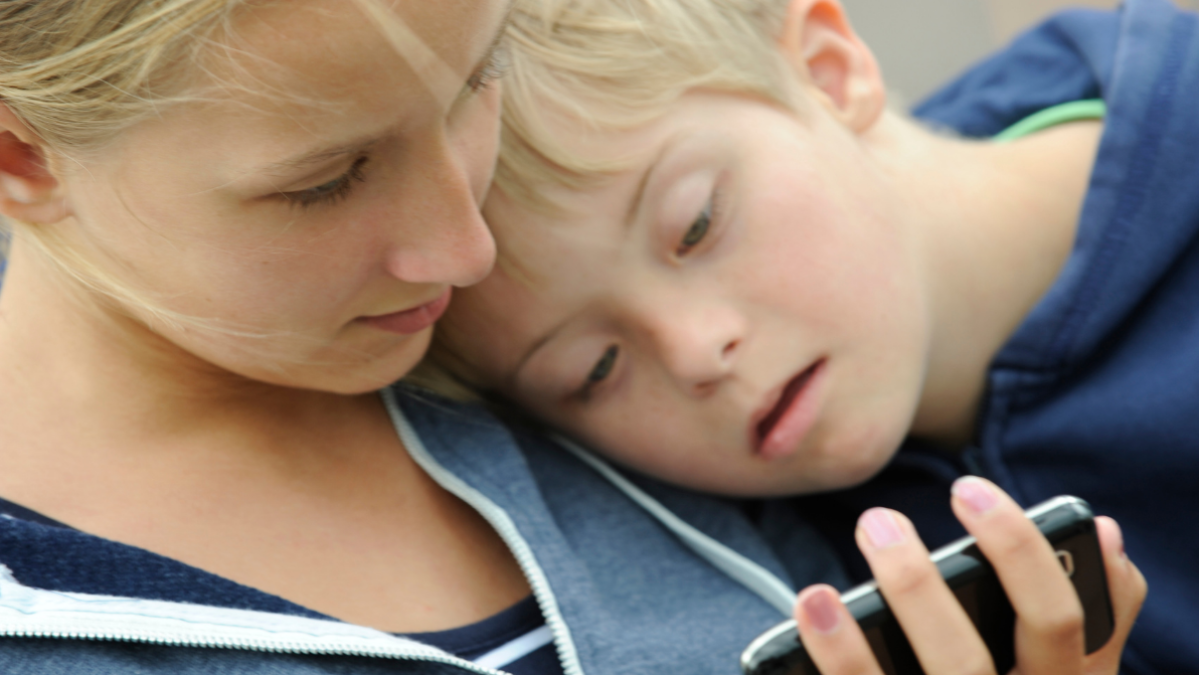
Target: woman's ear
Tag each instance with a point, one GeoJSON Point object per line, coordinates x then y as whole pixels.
{"type": "Point", "coordinates": [832, 60]}
{"type": "Point", "coordinates": [28, 191]}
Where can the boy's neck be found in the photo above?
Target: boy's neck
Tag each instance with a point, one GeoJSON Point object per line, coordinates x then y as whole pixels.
{"type": "Point", "coordinates": [995, 224]}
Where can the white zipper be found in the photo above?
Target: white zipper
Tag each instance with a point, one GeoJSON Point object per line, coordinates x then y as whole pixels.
{"type": "Point", "coordinates": [748, 573]}
{"type": "Point", "coordinates": [500, 521]}
{"type": "Point", "coordinates": [38, 613]}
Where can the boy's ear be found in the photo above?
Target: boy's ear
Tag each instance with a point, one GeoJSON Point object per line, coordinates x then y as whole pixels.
{"type": "Point", "coordinates": [28, 191]}
{"type": "Point", "coordinates": [832, 60]}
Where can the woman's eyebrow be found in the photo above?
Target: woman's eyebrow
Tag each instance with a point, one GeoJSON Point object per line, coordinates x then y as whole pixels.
{"type": "Point", "coordinates": [316, 156]}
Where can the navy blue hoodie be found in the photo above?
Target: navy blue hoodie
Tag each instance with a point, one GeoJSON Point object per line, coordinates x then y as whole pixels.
{"type": "Point", "coordinates": [1096, 394]}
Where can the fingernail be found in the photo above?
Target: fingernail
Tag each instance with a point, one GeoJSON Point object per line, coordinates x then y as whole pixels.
{"type": "Point", "coordinates": [881, 528]}
{"type": "Point", "coordinates": [976, 494]}
{"type": "Point", "coordinates": [821, 610]}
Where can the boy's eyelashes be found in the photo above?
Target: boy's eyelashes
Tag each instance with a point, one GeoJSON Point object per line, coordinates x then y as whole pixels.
{"type": "Point", "coordinates": [698, 230]}
{"type": "Point", "coordinates": [329, 193]}
{"type": "Point", "coordinates": [599, 372]}
{"type": "Point", "coordinates": [701, 227]}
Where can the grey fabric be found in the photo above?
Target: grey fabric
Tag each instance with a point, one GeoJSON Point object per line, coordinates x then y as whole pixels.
{"type": "Point", "coordinates": [634, 598]}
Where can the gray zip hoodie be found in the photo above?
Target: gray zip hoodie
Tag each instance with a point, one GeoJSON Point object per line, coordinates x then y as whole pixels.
{"type": "Point", "coordinates": [631, 575]}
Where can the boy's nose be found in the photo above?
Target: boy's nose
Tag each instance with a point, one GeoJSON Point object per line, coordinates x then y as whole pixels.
{"type": "Point", "coordinates": [698, 346]}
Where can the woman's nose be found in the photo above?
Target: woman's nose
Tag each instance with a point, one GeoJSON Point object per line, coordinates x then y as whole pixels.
{"type": "Point", "coordinates": [443, 240]}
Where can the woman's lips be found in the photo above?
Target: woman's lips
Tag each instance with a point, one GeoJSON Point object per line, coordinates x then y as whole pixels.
{"type": "Point", "coordinates": [411, 321]}
{"type": "Point", "coordinates": [780, 431]}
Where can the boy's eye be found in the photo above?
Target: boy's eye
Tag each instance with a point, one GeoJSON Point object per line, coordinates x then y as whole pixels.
{"type": "Point", "coordinates": [603, 367]}
{"type": "Point", "coordinates": [697, 232]}
{"type": "Point", "coordinates": [336, 189]}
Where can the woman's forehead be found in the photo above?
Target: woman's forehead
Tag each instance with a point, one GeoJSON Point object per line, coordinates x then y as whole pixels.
{"type": "Point", "coordinates": [305, 77]}
{"type": "Point", "coordinates": [323, 48]}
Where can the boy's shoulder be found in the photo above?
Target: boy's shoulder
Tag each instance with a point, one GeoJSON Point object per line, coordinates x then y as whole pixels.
{"type": "Point", "coordinates": [1074, 55]}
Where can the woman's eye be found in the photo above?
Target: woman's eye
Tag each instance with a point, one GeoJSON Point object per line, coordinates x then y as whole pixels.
{"type": "Point", "coordinates": [492, 70]}
{"type": "Point", "coordinates": [603, 367]}
{"type": "Point", "coordinates": [335, 190]}
{"type": "Point", "coordinates": [698, 230]}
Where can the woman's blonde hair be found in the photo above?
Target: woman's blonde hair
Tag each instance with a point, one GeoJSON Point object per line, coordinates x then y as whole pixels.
{"type": "Point", "coordinates": [80, 72]}
{"type": "Point", "coordinates": [616, 64]}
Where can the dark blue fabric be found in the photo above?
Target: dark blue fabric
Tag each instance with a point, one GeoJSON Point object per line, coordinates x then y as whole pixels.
{"type": "Point", "coordinates": [477, 639]}
{"type": "Point", "coordinates": [1097, 392]}
{"type": "Point", "coordinates": [19, 512]}
{"type": "Point", "coordinates": [471, 642]}
{"type": "Point", "coordinates": [61, 559]}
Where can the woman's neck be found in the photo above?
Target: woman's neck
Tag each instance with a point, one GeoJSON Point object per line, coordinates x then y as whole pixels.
{"type": "Point", "coordinates": [306, 495]}
{"type": "Point", "coordinates": [78, 379]}
{"type": "Point", "coordinates": [995, 224]}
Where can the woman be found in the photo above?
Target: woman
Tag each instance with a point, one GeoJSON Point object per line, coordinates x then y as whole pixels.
{"type": "Point", "coordinates": [234, 223]}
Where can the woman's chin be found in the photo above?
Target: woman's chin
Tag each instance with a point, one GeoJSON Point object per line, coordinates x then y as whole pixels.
{"type": "Point", "coordinates": [339, 371]}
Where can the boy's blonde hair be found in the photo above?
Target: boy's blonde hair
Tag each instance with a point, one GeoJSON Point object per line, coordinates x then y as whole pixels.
{"type": "Point", "coordinates": [616, 64]}
{"type": "Point", "coordinates": [611, 65]}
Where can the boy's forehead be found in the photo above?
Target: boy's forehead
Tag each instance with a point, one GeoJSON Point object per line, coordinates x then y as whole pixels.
{"type": "Point", "coordinates": [492, 327]}
{"type": "Point", "coordinates": [551, 268]}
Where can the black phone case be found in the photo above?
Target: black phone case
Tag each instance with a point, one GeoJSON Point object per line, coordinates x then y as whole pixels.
{"type": "Point", "coordinates": [1067, 523]}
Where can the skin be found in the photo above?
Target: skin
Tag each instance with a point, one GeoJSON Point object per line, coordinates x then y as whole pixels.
{"type": "Point", "coordinates": [269, 447]}
{"type": "Point", "coordinates": [746, 245]}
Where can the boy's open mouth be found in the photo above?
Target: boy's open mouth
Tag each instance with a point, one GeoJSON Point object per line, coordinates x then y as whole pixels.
{"type": "Point", "coordinates": [791, 391]}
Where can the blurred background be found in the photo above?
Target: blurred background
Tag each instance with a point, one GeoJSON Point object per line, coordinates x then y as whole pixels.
{"type": "Point", "coordinates": [923, 43]}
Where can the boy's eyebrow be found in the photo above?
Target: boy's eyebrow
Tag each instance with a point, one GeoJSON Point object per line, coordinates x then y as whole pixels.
{"type": "Point", "coordinates": [538, 344]}
{"type": "Point", "coordinates": [644, 181]}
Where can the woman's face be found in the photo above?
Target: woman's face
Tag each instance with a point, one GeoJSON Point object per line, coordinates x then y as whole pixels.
{"type": "Point", "coordinates": [313, 212]}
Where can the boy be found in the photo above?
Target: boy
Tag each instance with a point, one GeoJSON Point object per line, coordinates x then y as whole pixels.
{"type": "Point", "coordinates": [726, 263]}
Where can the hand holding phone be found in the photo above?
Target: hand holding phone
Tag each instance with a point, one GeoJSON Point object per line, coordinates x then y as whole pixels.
{"type": "Point", "coordinates": [1044, 610]}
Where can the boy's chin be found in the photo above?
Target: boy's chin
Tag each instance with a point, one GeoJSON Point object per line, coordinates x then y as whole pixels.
{"type": "Point", "coordinates": [839, 465]}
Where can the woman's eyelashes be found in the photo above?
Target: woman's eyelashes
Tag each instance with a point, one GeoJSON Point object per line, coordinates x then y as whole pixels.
{"type": "Point", "coordinates": [492, 70]}
{"type": "Point", "coordinates": [329, 193]}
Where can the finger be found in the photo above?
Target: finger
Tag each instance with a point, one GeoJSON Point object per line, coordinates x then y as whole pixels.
{"type": "Point", "coordinates": [831, 636]}
{"type": "Point", "coordinates": [1049, 625]}
{"type": "Point", "coordinates": [1127, 587]}
{"type": "Point", "coordinates": [939, 630]}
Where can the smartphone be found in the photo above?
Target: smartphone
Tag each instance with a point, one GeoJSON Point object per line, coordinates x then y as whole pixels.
{"type": "Point", "coordinates": [1068, 524]}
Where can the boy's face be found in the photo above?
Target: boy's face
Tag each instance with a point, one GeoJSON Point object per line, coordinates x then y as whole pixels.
{"type": "Point", "coordinates": [736, 312]}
